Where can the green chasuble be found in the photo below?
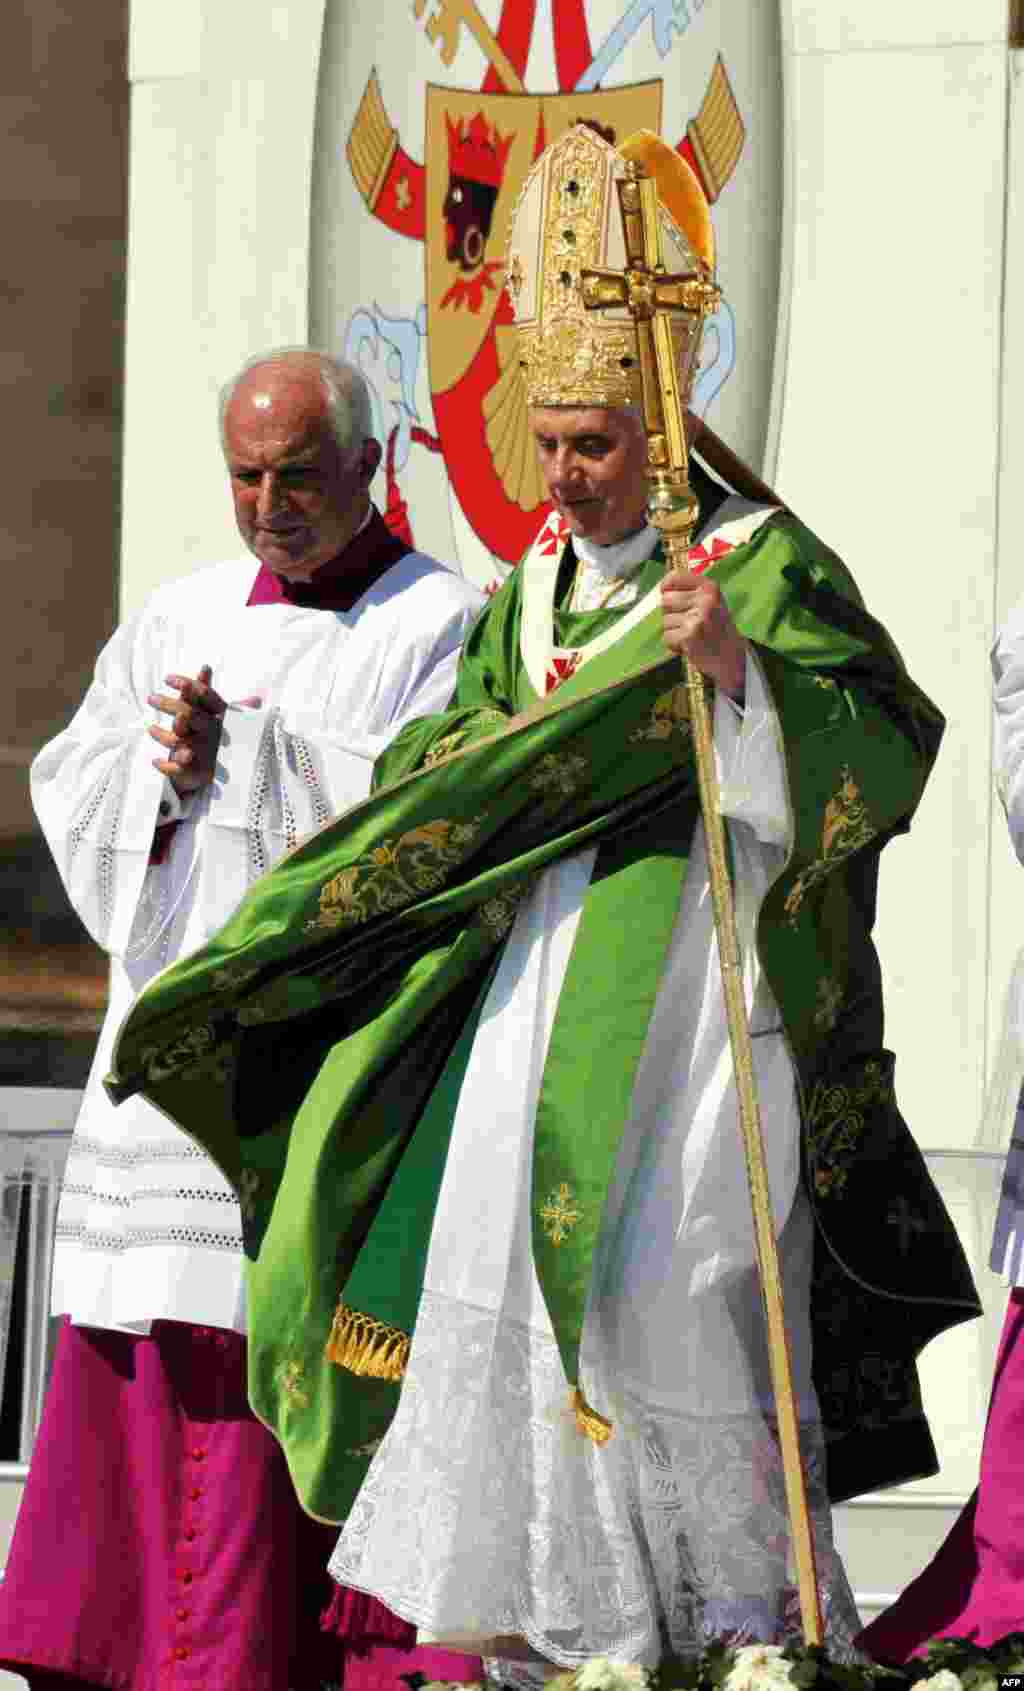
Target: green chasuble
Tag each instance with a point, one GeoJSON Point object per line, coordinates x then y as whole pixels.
{"type": "Point", "coordinates": [316, 1047]}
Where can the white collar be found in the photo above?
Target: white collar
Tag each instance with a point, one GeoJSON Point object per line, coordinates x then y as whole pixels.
{"type": "Point", "coordinates": [621, 559]}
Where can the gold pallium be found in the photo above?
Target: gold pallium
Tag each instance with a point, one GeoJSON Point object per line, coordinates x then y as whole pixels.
{"type": "Point", "coordinates": [559, 1214]}
{"type": "Point", "coordinates": [366, 1346]}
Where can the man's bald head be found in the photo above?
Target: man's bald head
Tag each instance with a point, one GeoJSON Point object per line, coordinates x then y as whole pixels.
{"type": "Point", "coordinates": [295, 427]}
{"type": "Point", "coordinates": [299, 371]}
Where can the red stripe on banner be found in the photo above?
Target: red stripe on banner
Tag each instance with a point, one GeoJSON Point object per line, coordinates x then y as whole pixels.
{"type": "Point", "coordinates": [573, 52]}
{"type": "Point", "coordinates": [685, 150]}
{"type": "Point", "coordinates": [514, 33]}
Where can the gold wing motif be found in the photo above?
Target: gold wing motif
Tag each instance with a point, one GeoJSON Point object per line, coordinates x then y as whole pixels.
{"type": "Point", "coordinates": [506, 425]}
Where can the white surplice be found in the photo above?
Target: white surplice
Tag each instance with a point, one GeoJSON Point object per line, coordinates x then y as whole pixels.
{"type": "Point", "coordinates": [485, 1514]}
{"type": "Point", "coordinates": [147, 1227]}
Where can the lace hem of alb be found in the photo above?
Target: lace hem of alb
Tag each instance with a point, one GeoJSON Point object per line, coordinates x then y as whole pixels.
{"type": "Point", "coordinates": [485, 1513]}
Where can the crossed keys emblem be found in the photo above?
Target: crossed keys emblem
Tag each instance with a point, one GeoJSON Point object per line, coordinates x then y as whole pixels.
{"type": "Point", "coordinates": [445, 27]}
{"type": "Point", "coordinates": [668, 18]}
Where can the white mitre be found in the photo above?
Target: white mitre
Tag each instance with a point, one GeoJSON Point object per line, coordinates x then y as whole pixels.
{"type": "Point", "coordinates": [566, 220]}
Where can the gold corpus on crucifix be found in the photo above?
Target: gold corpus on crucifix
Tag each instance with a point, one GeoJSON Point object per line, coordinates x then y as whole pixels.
{"type": "Point", "coordinates": [667, 312]}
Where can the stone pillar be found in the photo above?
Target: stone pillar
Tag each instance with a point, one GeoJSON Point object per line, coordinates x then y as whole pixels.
{"type": "Point", "coordinates": [64, 99]}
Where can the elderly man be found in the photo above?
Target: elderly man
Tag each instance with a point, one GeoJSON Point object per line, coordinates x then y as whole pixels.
{"type": "Point", "coordinates": [504, 1314]}
{"type": "Point", "coordinates": [240, 710]}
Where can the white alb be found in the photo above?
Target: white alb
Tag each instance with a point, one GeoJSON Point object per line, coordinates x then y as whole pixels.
{"type": "Point", "coordinates": [148, 1228]}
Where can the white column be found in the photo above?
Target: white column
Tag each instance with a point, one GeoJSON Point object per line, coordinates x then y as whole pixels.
{"type": "Point", "coordinates": [223, 110]}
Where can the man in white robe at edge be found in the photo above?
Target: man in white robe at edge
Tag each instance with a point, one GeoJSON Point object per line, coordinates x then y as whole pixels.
{"type": "Point", "coordinates": [236, 713]}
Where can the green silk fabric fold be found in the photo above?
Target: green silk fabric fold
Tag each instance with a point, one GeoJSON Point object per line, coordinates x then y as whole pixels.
{"type": "Point", "coordinates": [593, 1054]}
{"type": "Point", "coordinates": [307, 1045]}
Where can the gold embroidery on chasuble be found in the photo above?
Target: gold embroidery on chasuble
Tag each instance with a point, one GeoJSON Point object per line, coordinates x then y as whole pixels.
{"type": "Point", "coordinates": [670, 715]}
{"type": "Point", "coordinates": [830, 998]}
{"type": "Point", "coordinates": [187, 1049]}
{"type": "Point", "coordinates": [396, 873]}
{"type": "Point", "coordinates": [444, 747]}
{"type": "Point", "coordinates": [497, 914]}
{"type": "Point", "coordinates": [290, 1375]}
{"type": "Point", "coordinates": [559, 776]}
{"type": "Point", "coordinates": [846, 827]}
{"type": "Point", "coordinates": [248, 1186]}
{"type": "Point", "coordinates": [559, 1214]}
{"type": "Point", "coordinates": [234, 976]}
{"type": "Point", "coordinates": [459, 737]}
{"type": "Point", "coordinates": [835, 1122]}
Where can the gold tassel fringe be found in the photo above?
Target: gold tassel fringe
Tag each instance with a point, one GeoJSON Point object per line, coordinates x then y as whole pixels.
{"type": "Point", "coordinates": [364, 1345]}
{"type": "Point", "coordinates": [588, 1421]}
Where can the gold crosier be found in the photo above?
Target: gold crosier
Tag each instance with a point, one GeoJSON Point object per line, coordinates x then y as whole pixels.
{"type": "Point", "coordinates": [654, 299]}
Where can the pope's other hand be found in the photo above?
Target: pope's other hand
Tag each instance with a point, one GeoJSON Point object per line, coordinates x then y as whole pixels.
{"type": "Point", "coordinates": [698, 626]}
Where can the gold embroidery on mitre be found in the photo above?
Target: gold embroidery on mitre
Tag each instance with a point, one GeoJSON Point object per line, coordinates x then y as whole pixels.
{"type": "Point", "coordinates": [566, 220]}
{"type": "Point", "coordinates": [364, 1345]}
{"type": "Point", "coordinates": [559, 1214]}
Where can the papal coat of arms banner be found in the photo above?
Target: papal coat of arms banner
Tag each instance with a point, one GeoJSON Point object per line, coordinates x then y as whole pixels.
{"type": "Point", "coordinates": [430, 114]}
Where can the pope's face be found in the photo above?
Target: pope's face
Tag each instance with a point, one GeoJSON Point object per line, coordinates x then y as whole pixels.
{"type": "Point", "coordinates": [593, 462]}
{"type": "Point", "coordinates": [299, 498]}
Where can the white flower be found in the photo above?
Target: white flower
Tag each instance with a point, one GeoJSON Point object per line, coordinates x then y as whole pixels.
{"type": "Point", "coordinates": [944, 1680]}
{"type": "Point", "coordinates": [759, 1667]}
{"type": "Point", "coordinates": [602, 1675]}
